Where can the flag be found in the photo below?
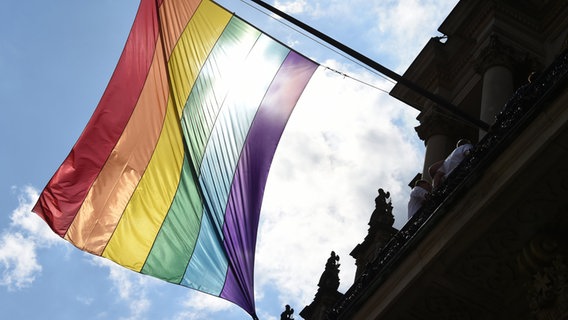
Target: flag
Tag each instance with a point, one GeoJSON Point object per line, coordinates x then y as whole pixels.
{"type": "Point", "coordinates": [168, 176]}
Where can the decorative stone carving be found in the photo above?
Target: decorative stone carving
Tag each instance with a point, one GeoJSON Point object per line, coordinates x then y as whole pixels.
{"type": "Point", "coordinates": [495, 54]}
{"type": "Point", "coordinates": [329, 279]}
{"type": "Point", "coordinates": [287, 313]}
{"type": "Point", "coordinates": [544, 263]}
{"type": "Point", "coordinates": [434, 122]}
{"type": "Point", "coordinates": [380, 232]}
{"type": "Point", "coordinates": [327, 294]}
{"type": "Point", "coordinates": [548, 291]}
{"type": "Point", "coordinates": [382, 215]}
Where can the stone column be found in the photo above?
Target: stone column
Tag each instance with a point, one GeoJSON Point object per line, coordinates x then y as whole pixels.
{"type": "Point", "coordinates": [439, 134]}
{"type": "Point", "coordinates": [495, 65]}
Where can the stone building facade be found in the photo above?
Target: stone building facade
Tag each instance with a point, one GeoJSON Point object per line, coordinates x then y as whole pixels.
{"type": "Point", "coordinates": [490, 242]}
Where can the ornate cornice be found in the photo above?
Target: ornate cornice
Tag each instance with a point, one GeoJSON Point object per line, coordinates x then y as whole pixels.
{"type": "Point", "coordinates": [495, 54]}
{"type": "Point", "coordinates": [471, 26]}
{"type": "Point", "coordinates": [434, 122]}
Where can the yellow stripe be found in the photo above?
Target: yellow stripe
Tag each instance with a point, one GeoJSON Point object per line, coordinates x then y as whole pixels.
{"type": "Point", "coordinates": [142, 218]}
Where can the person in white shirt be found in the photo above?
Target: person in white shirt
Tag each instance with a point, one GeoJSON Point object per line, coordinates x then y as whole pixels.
{"type": "Point", "coordinates": [441, 169]}
{"type": "Point", "coordinates": [417, 196]}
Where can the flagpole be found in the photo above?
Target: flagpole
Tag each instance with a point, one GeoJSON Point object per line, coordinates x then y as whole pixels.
{"type": "Point", "coordinates": [443, 103]}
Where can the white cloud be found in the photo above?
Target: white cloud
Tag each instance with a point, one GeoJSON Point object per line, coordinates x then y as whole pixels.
{"type": "Point", "coordinates": [24, 219]}
{"type": "Point", "coordinates": [132, 288]}
{"type": "Point", "coordinates": [201, 306]}
{"type": "Point", "coordinates": [19, 261]}
{"type": "Point", "coordinates": [19, 243]}
{"type": "Point", "coordinates": [19, 258]}
{"type": "Point", "coordinates": [291, 7]}
{"type": "Point", "coordinates": [392, 30]}
{"type": "Point", "coordinates": [327, 9]}
{"type": "Point", "coordinates": [404, 26]}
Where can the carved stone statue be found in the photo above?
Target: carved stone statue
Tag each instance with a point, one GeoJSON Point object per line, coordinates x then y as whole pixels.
{"type": "Point", "coordinates": [382, 215]}
{"type": "Point", "coordinates": [329, 279]}
{"type": "Point", "coordinates": [287, 314]}
{"type": "Point", "coordinates": [383, 199]}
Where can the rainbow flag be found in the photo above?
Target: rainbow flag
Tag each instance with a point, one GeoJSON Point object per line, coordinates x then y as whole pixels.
{"type": "Point", "coordinates": [168, 176]}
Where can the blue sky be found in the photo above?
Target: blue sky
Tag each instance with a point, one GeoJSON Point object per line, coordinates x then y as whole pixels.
{"type": "Point", "coordinates": [343, 142]}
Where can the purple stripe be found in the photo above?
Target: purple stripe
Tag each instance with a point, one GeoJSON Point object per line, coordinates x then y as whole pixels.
{"type": "Point", "coordinates": [245, 199]}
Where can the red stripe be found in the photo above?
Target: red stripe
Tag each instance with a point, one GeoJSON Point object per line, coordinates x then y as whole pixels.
{"type": "Point", "coordinates": [60, 200]}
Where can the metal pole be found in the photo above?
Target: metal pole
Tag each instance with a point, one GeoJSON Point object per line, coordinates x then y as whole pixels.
{"type": "Point", "coordinates": [444, 104]}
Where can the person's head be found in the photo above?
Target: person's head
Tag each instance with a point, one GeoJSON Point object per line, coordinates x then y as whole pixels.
{"type": "Point", "coordinates": [461, 142]}
{"type": "Point", "coordinates": [424, 185]}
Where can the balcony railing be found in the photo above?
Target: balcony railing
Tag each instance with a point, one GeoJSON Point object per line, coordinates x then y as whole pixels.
{"type": "Point", "coordinates": [517, 113]}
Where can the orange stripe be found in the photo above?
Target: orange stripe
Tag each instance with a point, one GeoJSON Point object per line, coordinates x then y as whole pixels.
{"type": "Point", "coordinates": [179, 12]}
